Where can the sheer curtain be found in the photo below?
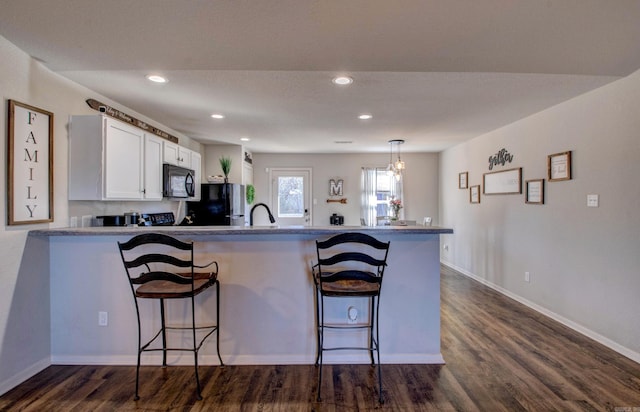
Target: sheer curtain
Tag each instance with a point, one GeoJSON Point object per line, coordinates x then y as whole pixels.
{"type": "Point", "coordinates": [369, 196]}
{"type": "Point", "coordinates": [370, 202]}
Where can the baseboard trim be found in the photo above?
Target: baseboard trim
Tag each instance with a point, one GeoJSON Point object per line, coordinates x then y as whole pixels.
{"type": "Point", "coordinates": [633, 355]}
{"type": "Point", "coordinates": [17, 379]}
{"type": "Point", "coordinates": [209, 360]}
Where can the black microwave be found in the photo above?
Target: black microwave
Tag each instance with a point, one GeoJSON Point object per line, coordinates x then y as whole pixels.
{"type": "Point", "coordinates": [178, 182]}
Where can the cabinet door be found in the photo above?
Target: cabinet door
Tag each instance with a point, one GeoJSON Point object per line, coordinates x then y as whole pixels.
{"type": "Point", "coordinates": [123, 157]}
{"type": "Point", "coordinates": [196, 165]}
{"type": "Point", "coordinates": [170, 153]}
{"type": "Point", "coordinates": [184, 157]}
{"type": "Point", "coordinates": [152, 167]}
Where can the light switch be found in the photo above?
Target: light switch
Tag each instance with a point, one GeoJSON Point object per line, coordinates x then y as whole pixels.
{"type": "Point", "coordinates": [592, 200]}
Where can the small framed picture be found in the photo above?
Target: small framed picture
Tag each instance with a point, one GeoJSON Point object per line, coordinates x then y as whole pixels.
{"type": "Point", "coordinates": [535, 192]}
{"type": "Point", "coordinates": [559, 166]}
{"type": "Point", "coordinates": [463, 180]}
{"type": "Point", "coordinates": [474, 194]}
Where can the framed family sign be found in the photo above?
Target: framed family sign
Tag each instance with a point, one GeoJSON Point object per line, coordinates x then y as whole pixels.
{"type": "Point", "coordinates": [30, 165]}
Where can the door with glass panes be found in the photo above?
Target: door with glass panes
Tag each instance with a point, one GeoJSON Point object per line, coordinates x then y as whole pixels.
{"type": "Point", "coordinates": [291, 196]}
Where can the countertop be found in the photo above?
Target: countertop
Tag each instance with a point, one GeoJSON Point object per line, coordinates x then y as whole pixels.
{"type": "Point", "coordinates": [239, 230]}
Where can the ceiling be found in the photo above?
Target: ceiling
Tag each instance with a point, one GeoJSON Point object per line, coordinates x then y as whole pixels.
{"type": "Point", "coordinates": [432, 72]}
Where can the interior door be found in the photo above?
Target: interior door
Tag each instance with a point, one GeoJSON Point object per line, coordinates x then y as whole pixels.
{"type": "Point", "coordinates": [291, 196]}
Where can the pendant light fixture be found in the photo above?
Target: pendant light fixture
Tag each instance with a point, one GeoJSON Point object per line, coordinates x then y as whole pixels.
{"type": "Point", "coordinates": [397, 167]}
{"type": "Point", "coordinates": [391, 169]}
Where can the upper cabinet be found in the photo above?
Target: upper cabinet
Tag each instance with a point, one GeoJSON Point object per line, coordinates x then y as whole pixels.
{"type": "Point", "coordinates": [183, 157]}
{"type": "Point", "coordinates": [112, 160]}
{"type": "Point", "coordinates": [152, 167]}
{"type": "Point", "coordinates": [176, 155]}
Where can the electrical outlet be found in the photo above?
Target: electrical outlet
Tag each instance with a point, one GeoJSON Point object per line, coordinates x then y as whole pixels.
{"type": "Point", "coordinates": [445, 247]}
{"type": "Point", "coordinates": [527, 277]}
{"type": "Point", "coordinates": [73, 221]}
{"type": "Point", "coordinates": [103, 318]}
{"type": "Point", "coordinates": [352, 314]}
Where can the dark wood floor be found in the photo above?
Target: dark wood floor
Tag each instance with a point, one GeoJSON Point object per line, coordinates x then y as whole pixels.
{"type": "Point", "coordinates": [501, 356]}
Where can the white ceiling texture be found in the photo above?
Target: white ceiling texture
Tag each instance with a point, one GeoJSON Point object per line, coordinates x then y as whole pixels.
{"type": "Point", "coordinates": [432, 72]}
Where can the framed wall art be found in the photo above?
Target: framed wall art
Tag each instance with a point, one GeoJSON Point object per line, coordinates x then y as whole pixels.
{"type": "Point", "coordinates": [474, 194]}
{"type": "Point", "coordinates": [559, 166]}
{"type": "Point", "coordinates": [534, 191]}
{"type": "Point", "coordinates": [503, 182]}
{"type": "Point", "coordinates": [463, 180]}
{"type": "Point", "coordinates": [30, 165]}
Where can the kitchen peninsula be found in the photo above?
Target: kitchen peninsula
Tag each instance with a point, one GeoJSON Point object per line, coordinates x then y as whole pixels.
{"type": "Point", "coordinates": [267, 298]}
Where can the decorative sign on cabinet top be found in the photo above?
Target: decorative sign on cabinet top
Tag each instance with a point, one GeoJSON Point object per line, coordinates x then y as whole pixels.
{"type": "Point", "coordinates": [117, 114]}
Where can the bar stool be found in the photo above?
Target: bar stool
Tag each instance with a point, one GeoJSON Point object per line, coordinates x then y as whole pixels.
{"type": "Point", "coordinates": [349, 265]}
{"type": "Point", "coordinates": [161, 267]}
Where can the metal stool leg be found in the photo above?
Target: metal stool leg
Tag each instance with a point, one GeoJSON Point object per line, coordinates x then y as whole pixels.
{"type": "Point", "coordinates": [372, 313]}
{"type": "Point", "coordinates": [378, 350]}
{"type": "Point", "coordinates": [195, 347]}
{"type": "Point", "coordinates": [164, 335]}
{"type": "Point", "coordinates": [320, 346]}
{"type": "Point", "coordinates": [136, 396]}
{"type": "Point", "coordinates": [317, 302]}
{"type": "Point", "coordinates": [217, 284]}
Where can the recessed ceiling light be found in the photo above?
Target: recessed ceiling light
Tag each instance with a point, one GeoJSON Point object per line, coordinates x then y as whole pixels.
{"type": "Point", "coordinates": [342, 80]}
{"type": "Point", "coordinates": [245, 139]}
{"type": "Point", "coordinates": [217, 116]}
{"type": "Point", "coordinates": [365, 116]}
{"type": "Point", "coordinates": [156, 78]}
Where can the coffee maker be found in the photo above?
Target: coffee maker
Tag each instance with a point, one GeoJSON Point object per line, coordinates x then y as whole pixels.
{"type": "Point", "coordinates": [336, 220]}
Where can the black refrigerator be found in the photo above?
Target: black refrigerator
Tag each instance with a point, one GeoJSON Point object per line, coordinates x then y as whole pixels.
{"type": "Point", "coordinates": [221, 204]}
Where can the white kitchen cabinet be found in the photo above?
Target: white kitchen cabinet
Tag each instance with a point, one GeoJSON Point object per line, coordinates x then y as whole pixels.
{"type": "Point", "coordinates": [196, 165]}
{"type": "Point", "coordinates": [152, 167]}
{"type": "Point", "coordinates": [176, 155]}
{"type": "Point", "coordinates": [107, 161]}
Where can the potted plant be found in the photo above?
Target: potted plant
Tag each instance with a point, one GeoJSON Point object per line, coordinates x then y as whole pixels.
{"type": "Point", "coordinates": [225, 164]}
{"type": "Point", "coordinates": [251, 193]}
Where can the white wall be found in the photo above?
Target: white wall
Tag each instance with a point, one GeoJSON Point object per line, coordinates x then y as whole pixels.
{"type": "Point", "coordinates": [584, 262]}
{"type": "Point", "coordinates": [211, 161]}
{"type": "Point", "coordinates": [420, 182]}
{"type": "Point", "coordinates": [24, 294]}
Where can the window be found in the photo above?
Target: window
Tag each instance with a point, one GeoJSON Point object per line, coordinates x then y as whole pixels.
{"type": "Point", "coordinates": [290, 196]}
{"type": "Point", "coordinates": [378, 188]}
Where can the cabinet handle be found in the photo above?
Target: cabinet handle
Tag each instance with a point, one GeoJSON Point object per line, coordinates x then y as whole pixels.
{"type": "Point", "coordinates": [144, 191]}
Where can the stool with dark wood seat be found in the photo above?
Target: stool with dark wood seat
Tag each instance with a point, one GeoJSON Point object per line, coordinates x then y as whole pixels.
{"type": "Point", "coordinates": [349, 265]}
{"type": "Point", "coordinates": [161, 267]}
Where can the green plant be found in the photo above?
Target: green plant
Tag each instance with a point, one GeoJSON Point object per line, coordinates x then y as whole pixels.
{"type": "Point", "coordinates": [225, 164]}
{"type": "Point", "coordinates": [251, 193]}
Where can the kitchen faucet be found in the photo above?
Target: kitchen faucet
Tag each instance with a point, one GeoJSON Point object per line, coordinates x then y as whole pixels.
{"type": "Point", "coordinates": [271, 218]}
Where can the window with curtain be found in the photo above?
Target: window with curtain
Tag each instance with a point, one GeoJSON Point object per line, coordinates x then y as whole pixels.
{"type": "Point", "coordinates": [378, 189]}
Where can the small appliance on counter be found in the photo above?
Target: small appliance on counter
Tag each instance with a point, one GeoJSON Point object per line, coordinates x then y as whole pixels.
{"type": "Point", "coordinates": [336, 219]}
{"type": "Point", "coordinates": [137, 219]}
{"type": "Point", "coordinates": [221, 204]}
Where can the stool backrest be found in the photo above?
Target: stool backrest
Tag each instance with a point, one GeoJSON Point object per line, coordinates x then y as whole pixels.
{"type": "Point", "coordinates": [352, 256]}
{"type": "Point", "coordinates": [139, 251]}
